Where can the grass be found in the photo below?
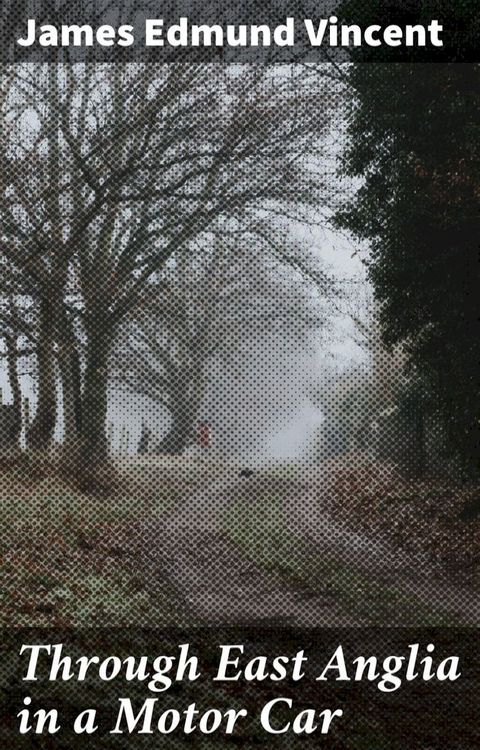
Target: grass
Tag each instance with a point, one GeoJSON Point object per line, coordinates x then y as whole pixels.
{"type": "Point", "coordinates": [261, 533]}
{"type": "Point", "coordinates": [61, 559]}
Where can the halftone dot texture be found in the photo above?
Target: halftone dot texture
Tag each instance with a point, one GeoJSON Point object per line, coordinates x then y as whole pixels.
{"type": "Point", "coordinates": [201, 422]}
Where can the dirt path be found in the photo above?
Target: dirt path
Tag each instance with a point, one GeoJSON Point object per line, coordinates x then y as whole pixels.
{"type": "Point", "coordinates": [219, 584]}
{"type": "Point", "coordinates": [215, 582]}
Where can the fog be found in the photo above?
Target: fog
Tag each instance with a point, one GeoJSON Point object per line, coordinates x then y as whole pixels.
{"type": "Point", "coordinates": [262, 401]}
{"type": "Point", "coordinates": [261, 404]}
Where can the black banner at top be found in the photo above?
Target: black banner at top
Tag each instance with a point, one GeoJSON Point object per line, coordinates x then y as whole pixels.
{"type": "Point", "coordinates": [282, 31]}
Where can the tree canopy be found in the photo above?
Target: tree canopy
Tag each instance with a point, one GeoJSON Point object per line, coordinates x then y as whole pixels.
{"type": "Point", "coordinates": [414, 134]}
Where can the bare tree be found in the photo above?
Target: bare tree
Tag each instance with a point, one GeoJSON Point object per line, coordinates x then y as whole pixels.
{"type": "Point", "coordinates": [113, 170]}
{"type": "Point", "coordinates": [205, 306]}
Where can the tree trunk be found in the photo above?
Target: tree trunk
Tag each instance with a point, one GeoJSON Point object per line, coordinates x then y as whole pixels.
{"type": "Point", "coordinates": [42, 428]}
{"type": "Point", "coordinates": [70, 371]}
{"type": "Point", "coordinates": [178, 436]}
{"type": "Point", "coordinates": [188, 397]}
{"type": "Point", "coordinates": [94, 402]}
{"type": "Point", "coordinates": [144, 441]}
{"type": "Point", "coordinates": [16, 426]}
{"type": "Point", "coordinates": [69, 363]}
{"type": "Point", "coordinates": [420, 458]}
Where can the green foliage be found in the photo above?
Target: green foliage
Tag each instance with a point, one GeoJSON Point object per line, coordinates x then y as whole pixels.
{"type": "Point", "coordinates": [415, 145]}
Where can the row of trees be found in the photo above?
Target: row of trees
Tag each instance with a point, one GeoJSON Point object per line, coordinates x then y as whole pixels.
{"type": "Point", "coordinates": [122, 187]}
{"type": "Point", "coordinates": [211, 306]}
{"type": "Point", "coordinates": [146, 216]}
{"type": "Point", "coordinates": [414, 142]}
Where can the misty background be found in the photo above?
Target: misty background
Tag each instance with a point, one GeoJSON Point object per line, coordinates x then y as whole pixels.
{"type": "Point", "coordinates": [271, 410]}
